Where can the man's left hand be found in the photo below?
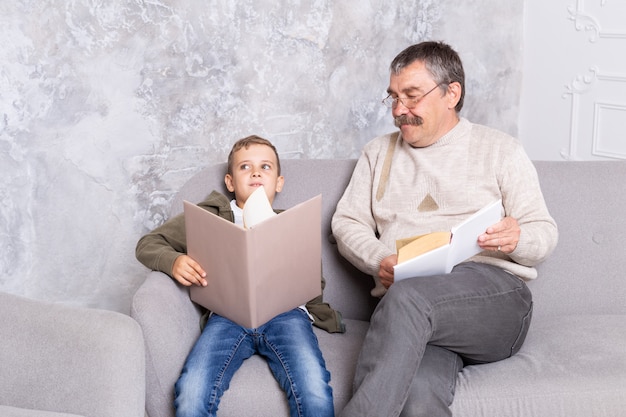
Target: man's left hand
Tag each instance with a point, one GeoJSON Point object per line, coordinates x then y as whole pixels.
{"type": "Point", "coordinates": [502, 236]}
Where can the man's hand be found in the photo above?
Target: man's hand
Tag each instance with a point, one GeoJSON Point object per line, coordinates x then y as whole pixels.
{"type": "Point", "coordinates": [188, 272]}
{"type": "Point", "coordinates": [385, 273]}
{"type": "Point", "coordinates": [502, 236]}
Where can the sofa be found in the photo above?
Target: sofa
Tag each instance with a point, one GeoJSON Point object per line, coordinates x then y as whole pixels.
{"type": "Point", "coordinates": [573, 362]}
{"type": "Point", "coordinates": [62, 361]}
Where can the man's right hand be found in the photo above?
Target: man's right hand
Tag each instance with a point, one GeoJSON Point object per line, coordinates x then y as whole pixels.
{"type": "Point", "coordinates": [188, 272]}
{"type": "Point", "coordinates": [385, 272]}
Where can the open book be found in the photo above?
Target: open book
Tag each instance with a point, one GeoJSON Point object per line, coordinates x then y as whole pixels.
{"type": "Point", "coordinates": [438, 252]}
{"type": "Point", "coordinates": [261, 271]}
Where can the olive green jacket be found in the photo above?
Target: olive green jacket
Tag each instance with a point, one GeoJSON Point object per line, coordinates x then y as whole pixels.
{"type": "Point", "coordinates": [159, 249]}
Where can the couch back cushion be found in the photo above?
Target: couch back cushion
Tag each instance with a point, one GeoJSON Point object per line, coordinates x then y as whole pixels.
{"type": "Point", "coordinates": [586, 274]}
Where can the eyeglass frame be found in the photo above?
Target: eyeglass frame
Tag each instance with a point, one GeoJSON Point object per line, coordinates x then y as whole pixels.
{"type": "Point", "coordinates": [392, 102]}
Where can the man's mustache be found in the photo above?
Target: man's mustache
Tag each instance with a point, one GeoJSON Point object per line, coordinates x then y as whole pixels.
{"type": "Point", "coordinates": [407, 120]}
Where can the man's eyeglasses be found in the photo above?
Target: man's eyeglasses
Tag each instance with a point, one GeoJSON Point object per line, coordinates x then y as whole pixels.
{"type": "Point", "coordinates": [408, 102]}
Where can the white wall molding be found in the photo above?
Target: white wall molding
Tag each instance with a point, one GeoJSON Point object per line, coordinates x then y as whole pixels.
{"type": "Point", "coordinates": [605, 143]}
{"type": "Point", "coordinates": [604, 117]}
{"type": "Point", "coordinates": [585, 21]}
{"type": "Point", "coordinates": [579, 85]}
{"type": "Point", "coordinates": [574, 79]}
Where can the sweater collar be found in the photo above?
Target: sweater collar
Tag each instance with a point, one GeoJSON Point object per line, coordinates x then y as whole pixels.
{"type": "Point", "coordinates": [461, 129]}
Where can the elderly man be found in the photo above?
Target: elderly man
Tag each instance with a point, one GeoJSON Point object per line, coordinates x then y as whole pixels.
{"type": "Point", "coordinates": [431, 175]}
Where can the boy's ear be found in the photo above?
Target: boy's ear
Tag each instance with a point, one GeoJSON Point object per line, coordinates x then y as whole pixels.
{"type": "Point", "coordinates": [280, 181]}
{"type": "Point", "coordinates": [228, 180]}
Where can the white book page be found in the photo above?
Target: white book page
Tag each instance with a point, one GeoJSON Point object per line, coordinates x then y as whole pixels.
{"type": "Point", "coordinates": [430, 263]}
{"type": "Point", "coordinates": [257, 208]}
{"type": "Point", "coordinates": [464, 243]}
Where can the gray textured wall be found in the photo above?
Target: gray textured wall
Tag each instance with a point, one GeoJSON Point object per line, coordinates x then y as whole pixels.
{"type": "Point", "coordinates": [106, 108]}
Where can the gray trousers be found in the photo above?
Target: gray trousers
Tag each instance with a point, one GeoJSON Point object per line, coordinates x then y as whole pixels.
{"type": "Point", "coordinates": [425, 329]}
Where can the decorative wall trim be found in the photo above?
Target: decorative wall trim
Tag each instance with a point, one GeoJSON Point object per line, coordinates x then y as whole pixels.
{"type": "Point", "coordinates": [583, 82]}
{"type": "Point", "coordinates": [583, 21]}
{"type": "Point", "coordinates": [600, 147]}
{"type": "Point", "coordinates": [579, 86]}
{"type": "Point", "coordinates": [612, 77]}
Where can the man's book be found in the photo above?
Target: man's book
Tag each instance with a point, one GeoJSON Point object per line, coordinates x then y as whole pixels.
{"type": "Point", "coordinates": [261, 271]}
{"type": "Point", "coordinates": [438, 252]}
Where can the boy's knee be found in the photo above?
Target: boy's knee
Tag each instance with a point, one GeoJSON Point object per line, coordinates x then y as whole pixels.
{"type": "Point", "coordinates": [193, 398]}
{"type": "Point", "coordinates": [317, 402]}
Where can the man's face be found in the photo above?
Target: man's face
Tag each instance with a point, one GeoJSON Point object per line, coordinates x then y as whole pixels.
{"type": "Point", "coordinates": [254, 167]}
{"type": "Point", "coordinates": [433, 115]}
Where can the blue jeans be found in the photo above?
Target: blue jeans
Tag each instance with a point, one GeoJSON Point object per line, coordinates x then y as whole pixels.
{"type": "Point", "coordinates": [288, 344]}
{"type": "Point", "coordinates": [425, 329]}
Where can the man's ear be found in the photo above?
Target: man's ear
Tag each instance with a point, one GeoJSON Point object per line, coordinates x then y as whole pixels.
{"type": "Point", "coordinates": [280, 181]}
{"type": "Point", "coordinates": [454, 94]}
{"type": "Point", "coordinates": [228, 180]}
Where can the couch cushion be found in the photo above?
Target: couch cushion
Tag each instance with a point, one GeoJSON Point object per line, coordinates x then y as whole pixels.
{"type": "Point", "coordinates": [585, 274]}
{"type": "Point", "coordinates": [6, 411]}
{"type": "Point", "coordinates": [171, 325]}
{"type": "Point", "coordinates": [254, 388]}
{"type": "Point", "coordinates": [71, 359]}
{"type": "Point", "coordinates": [569, 366]}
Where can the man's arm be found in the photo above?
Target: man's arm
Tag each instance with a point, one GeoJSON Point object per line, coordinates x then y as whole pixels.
{"type": "Point", "coordinates": [523, 202]}
{"type": "Point", "coordinates": [353, 224]}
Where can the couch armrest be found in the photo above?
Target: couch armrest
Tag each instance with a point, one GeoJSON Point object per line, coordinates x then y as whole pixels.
{"type": "Point", "coordinates": [6, 411]}
{"type": "Point", "coordinates": [69, 359]}
{"type": "Point", "coordinates": [171, 325]}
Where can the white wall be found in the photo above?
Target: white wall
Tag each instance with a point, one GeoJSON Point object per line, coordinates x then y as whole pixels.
{"type": "Point", "coordinates": [573, 103]}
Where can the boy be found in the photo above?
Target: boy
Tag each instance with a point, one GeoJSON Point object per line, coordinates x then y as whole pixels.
{"type": "Point", "coordinates": [287, 341]}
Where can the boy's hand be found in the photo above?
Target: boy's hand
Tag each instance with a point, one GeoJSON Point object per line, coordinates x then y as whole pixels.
{"type": "Point", "coordinates": [188, 272]}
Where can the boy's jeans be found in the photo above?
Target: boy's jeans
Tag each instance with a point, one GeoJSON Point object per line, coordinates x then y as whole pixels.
{"type": "Point", "coordinates": [288, 344]}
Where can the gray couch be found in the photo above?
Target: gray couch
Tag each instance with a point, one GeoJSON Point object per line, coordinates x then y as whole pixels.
{"type": "Point", "coordinates": [573, 362]}
{"type": "Point", "coordinates": [61, 361]}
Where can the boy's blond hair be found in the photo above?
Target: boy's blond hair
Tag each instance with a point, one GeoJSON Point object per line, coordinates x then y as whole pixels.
{"type": "Point", "coordinates": [245, 143]}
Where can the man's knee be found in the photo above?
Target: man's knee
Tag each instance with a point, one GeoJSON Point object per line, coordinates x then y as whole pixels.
{"type": "Point", "coordinates": [432, 390]}
{"type": "Point", "coordinates": [403, 292]}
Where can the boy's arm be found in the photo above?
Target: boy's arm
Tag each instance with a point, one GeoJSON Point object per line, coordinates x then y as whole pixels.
{"type": "Point", "coordinates": [165, 249]}
{"type": "Point", "coordinates": [159, 249]}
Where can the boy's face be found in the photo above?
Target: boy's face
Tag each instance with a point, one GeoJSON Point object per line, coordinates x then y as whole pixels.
{"type": "Point", "coordinates": [254, 167]}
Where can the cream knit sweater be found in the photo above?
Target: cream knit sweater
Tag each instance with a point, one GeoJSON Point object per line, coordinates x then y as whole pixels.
{"type": "Point", "coordinates": [433, 189]}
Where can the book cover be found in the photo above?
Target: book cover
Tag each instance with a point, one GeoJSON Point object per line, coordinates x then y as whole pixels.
{"type": "Point", "coordinates": [438, 252]}
{"type": "Point", "coordinates": [257, 273]}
